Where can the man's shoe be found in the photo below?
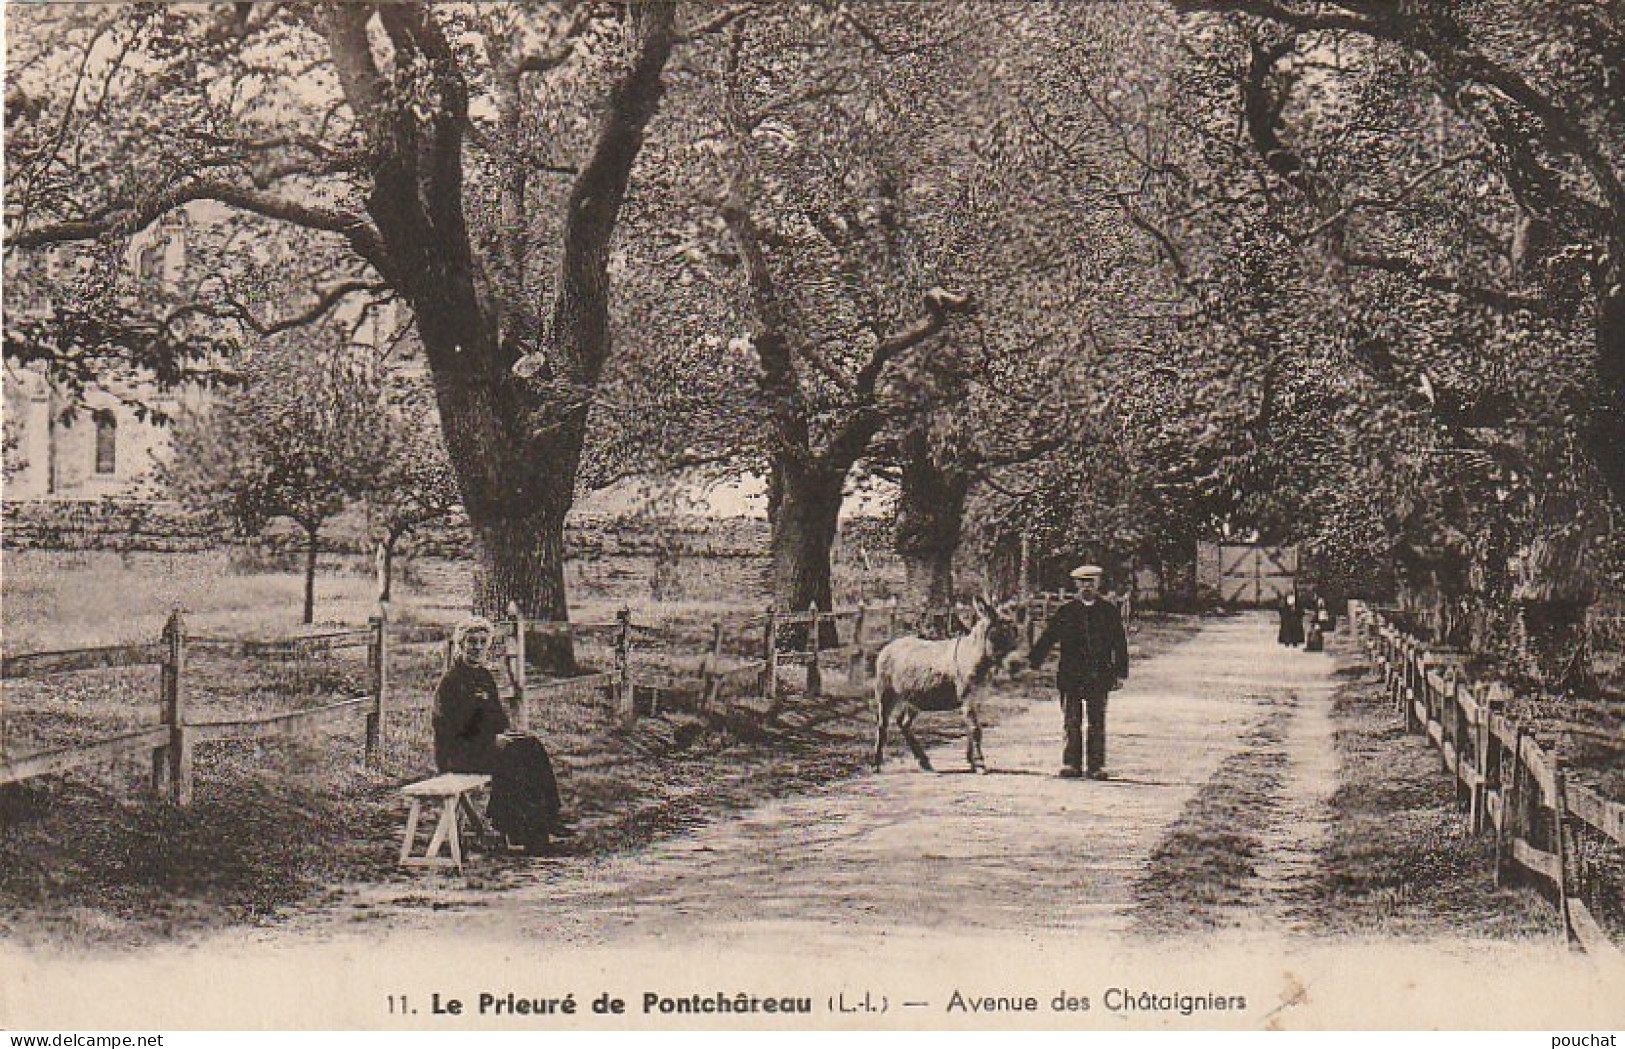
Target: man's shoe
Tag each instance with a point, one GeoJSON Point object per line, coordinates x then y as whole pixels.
{"type": "Point", "coordinates": [1099, 774]}
{"type": "Point", "coordinates": [1070, 773]}
{"type": "Point", "coordinates": [561, 830]}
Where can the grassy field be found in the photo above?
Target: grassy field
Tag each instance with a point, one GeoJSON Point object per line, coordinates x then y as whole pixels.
{"type": "Point", "coordinates": [94, 860]}
{"type": "Point", "coordinates": [58, 599]}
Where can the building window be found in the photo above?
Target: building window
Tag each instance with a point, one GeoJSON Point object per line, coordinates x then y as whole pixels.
{"type": "Point", "coordinates": [149, 261]}
{"type": "Point", "coordinates": [106, 443]}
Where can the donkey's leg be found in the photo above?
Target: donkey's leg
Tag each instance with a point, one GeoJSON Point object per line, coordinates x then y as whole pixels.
{"type": "Point", "coordinates": [883, 705]}
{"type": "Point", "coordinates": [973, 739]}
{"type": "Point", "coordinates": [905, 721]}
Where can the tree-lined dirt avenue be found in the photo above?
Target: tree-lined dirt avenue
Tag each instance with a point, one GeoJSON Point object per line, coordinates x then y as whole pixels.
{"type": "Point", "coordinates": [907, 853]}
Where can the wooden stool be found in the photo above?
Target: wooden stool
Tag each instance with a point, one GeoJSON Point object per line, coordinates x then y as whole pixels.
{"type": "Point", "coordinates": [456, 792]}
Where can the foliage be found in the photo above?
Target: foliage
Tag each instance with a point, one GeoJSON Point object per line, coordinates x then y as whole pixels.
{"type": "Point", "coordinates": [298, 440]}
{"type": "Point", "coordinates": [412, 482]}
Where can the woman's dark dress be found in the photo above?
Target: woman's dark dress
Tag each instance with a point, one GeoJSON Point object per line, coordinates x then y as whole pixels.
{"type": "Point", "coordinates": [1291, 632]}
{"type": "Point", "coordinates": [468, 724]}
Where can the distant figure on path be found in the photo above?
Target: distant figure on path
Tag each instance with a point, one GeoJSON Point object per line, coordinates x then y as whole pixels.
{"type": "Point", "coordinates": [471, 734]}
{"type": "Point", "coordinates": [1316, 620]}
{"type": "Point", "coordinates": [1291, 632]}
{"type": "Point", "coordinates": [1094, 660]}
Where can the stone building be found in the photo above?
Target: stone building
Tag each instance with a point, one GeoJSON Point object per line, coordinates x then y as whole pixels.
{"type": "Point", "coordinates": [98, 445]}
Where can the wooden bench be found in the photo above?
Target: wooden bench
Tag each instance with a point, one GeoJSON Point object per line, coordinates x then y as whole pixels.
{"type": "Point", "coordinates": [456, 791]}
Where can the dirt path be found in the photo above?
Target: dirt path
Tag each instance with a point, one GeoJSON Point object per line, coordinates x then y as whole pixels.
{"type": "Point", "coordinates": [906, 854]}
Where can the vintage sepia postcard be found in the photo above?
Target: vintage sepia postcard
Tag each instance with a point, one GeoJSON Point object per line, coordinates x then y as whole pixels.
{"type": "Point", "coordinates": [758, 515]}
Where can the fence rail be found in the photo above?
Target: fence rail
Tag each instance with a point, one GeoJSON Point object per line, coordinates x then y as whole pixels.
{"type": "Point", "coordinates": [1511, 786]}
{"type": "Point", "coordinates": [302, 646]}
{"type": "Point", "coordinates": [69, 661]}
{"type": "Point", "coordinates": [64, 759]}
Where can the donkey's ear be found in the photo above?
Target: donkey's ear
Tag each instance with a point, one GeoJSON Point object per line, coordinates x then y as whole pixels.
{"type": "Point", "coordinates": [983, 606]}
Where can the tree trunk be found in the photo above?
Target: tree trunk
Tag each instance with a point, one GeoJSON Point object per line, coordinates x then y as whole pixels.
{"type": "Point", "coordinates": [386, 565]}
{"type": "Point", "coordinates": [515, 456]}
{"type": "Point", "coordinates": [311, 534]}
{"type": "Point", "coordinates": [930, 515]}
{"type": "Point", "coordinates": [1607, 430]}
{"type": "Point", "coordinates": [520, 560]}
{"type": "Point", "coordinates": [804, 506]}
{"type": "Point", "coordinates": [514, 440]}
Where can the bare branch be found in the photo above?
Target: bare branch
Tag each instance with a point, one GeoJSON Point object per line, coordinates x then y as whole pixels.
{"type": "Point", "coordinates": [1170, 249]}
{"type": "Point", "coordinates": [1398, 197]}
{"type": "Point", "coordinates": [326, 299]}
{"type": "Point", "coordinates": [1416, 272]}
{"type": "Point", "coordinates": [874, 39]}
{"type": "Point", "coordinates": [131, 219]}
{"type": "Point", "coordinates": [715, 24]}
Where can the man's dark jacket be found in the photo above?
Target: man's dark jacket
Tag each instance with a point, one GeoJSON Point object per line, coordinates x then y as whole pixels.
{"type": "Point", "coordinates": [1094, 647]}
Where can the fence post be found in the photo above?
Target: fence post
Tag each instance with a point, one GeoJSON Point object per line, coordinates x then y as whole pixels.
{"type": "Point", "coordinates": [1407, 691]}
{"type": "Point", "coordinates": [1400, 679]}
{"type": "Point", "coordinates": [1494, 761]}
{"type": "Point", "coordinates": [1447, 730]}
{"type": "Point", "coordinates": [521, 708]}
{"type": "Point", "coordinates": [1511, 812]}
{"type": "Point", "coordinates": [711, 678]}
{"type": "Point", "coordinates": [177, 761]}
{"type": "Point", "coordinates": [378, 665]}
{"type": "Point", "coordinates": [855, 668]}
{"type": "Point", "coordinates": [1481, 755]}
{"type": "Point", "coordinates": [891, 623]}
{"type": "Point", "coordinates": [815, 674]}
{"type": "Point", "coordinates": [1567, 861]}
{"type": "Point", "coordinates": [1466, 747]}
{"type": "Point", "coordinates": [770, 656]}
{"type": "Point", "coordinates": [623, 663]}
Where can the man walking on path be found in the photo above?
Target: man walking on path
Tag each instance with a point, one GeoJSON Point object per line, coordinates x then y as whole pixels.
{"type": "Point", "coordinates": [1094, 659]}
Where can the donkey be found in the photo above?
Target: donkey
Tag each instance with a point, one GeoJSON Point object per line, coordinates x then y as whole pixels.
{"type": "Point", "coordinates": [913, 675]}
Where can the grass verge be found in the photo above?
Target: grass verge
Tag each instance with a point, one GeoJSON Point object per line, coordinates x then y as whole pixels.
{"type": "Point", "coordinates": [1399, 860]}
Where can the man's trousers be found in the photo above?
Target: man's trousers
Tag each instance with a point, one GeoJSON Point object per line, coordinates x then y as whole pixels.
{"type": "Point", "coordinates": [1078, 699]}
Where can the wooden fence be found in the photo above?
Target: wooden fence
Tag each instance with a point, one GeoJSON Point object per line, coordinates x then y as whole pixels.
{"type": "Point", "coordinates": [169, 745]}
{"type": "Point", "coordinates": [1510, 784]}
{"type": "Point", "coordinates": [746, 673]}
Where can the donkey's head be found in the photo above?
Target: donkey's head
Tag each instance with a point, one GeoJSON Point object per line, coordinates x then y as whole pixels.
{"type": "Point", "coordinates": [998, 630]}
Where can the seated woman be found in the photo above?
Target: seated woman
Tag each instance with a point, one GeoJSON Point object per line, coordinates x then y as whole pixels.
{"type": "Point", "coordinates": [471, 735]}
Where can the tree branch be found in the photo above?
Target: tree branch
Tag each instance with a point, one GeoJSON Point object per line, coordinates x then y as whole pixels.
{"type": "Point", "coordinates": [940, 305]}
{"type": "Point", "coordinates": [771, 340]}
{"type": "Point", "coordinates": [1431, 38]}
{"type": "Point", "coordinates": [581, 302]}
{"type": "Point", "coordinates": [715, 24]}
{"type": "Point", "coordinates": [1404, 191]}
{"type": "Point", "coordinates": [132, 219]}
{"type": "Point", "coordinates": [852, 438]}
{"type": "Point", "coordinates": [1416, 272]}
{"type": "Point", "coordinates": [326, 299]}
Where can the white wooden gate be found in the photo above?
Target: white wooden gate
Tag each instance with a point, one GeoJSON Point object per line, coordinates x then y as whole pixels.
{"type": "Point", "coordinates": [1256, 575]}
